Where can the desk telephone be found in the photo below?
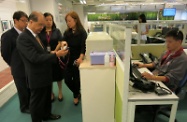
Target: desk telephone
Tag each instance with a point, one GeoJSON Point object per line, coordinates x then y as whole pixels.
{"type": "Point", "coordinates": [148, 58]}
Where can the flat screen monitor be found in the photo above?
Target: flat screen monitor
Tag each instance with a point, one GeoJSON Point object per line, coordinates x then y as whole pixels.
{"type": "Point", "coordinates": [169, 12]}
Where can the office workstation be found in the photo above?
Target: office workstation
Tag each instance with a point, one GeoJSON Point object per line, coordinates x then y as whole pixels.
{"type": "Point", "coordinates": [127, 97]}
{"type": "Point", "coordinates": [114, 32]}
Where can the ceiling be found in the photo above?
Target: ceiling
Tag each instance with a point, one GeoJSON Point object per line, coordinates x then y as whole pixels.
{"type": "Point", "coordinates": [119, 2]}
{"type": "Point", "coordinates": [130, 5]}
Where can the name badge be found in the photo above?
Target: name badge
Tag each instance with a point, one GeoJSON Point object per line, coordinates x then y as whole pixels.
{"type": "Point", "coordinates": [48, 48]}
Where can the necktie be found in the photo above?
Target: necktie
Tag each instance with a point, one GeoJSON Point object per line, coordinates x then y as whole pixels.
{"type": "Point", "coordinates": [39, 41]}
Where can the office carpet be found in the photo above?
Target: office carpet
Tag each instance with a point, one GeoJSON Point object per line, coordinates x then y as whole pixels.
{"type": "Point", "coordinates": [70, 113]}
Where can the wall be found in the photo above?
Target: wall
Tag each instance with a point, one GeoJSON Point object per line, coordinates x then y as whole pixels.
{"type": "Point", "coordinates": [24, 6]}
{"type": "Point", "coordinates": [6, 12]}
{"type": "Point", "coordinates": [8, 7]}
{"type": "Point", "coordinates": [82, 15]}
{"type": "Point", "coordinates": [181, 15]}
{"type": "Point", "coordinates": [58, 8]}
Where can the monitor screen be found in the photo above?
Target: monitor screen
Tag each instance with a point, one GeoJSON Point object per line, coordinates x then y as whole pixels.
{"type": "Point", "coordinates": [169, 12]}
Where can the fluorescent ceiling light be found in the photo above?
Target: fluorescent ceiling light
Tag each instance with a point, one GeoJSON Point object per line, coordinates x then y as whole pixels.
{"type": "Point", "coordinates": [82, 1]}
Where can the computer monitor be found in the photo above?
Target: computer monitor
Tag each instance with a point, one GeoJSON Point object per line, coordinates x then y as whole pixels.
{"type": "Point", "coordinates": [169, 12]}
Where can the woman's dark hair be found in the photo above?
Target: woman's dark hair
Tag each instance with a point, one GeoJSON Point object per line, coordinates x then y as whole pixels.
{"type": "Point", "coordinates": [143, 18]}
{"type": "Point", "coordinates": [75, 16]}
{"type": "Point", "coordinates": [176, 34]}
{"type": "Point", "coordinates": [53, 25]}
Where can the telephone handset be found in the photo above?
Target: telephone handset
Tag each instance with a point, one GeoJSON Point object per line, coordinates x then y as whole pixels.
{"type": "Point", "coordinates": [148, 58]}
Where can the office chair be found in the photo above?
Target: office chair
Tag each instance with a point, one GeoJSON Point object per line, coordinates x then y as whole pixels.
{"type": "Point", "coordinates": [180, 92]}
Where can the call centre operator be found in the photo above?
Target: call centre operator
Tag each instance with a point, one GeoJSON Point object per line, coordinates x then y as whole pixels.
{"type": "Point", "coordinates": [171, 67]}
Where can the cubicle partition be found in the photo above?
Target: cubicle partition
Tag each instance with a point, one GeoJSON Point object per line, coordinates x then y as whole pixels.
{"type": "Point", "coordinates": [115, 99]}
{"type": "Point", "coordinates": [126, 98]}
{"type": "Point", "coordinates": [157, 29]}
{"type": "Point", "coordinates": [104, 89]}
{"type": "Point", "coordinates": [122, 46]}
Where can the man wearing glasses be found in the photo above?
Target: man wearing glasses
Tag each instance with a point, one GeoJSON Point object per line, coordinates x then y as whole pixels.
{"type": "Point", "coordinates": [11, 56]}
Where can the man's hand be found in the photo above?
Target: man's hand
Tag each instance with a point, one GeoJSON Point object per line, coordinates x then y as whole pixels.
{"type": "Point", "coordinates": [53, 52]}
{"type": "Point", "coordinates": [140, 65]}
{"type": "Point", "coordinates": [61, 53]}
{"type": "Point", "coordinates": [147, 75]}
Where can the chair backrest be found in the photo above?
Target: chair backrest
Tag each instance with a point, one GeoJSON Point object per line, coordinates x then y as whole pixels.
{"type": "Point", "coordinates": [180, 91]}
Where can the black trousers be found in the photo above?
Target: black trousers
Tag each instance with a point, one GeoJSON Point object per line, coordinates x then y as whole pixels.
{"type": "Point", "coordinates": [40, 103]}
{"type": "Point", "coordinates": [23, 92]}
{"type": "Point", "coordinates": [72, 79]}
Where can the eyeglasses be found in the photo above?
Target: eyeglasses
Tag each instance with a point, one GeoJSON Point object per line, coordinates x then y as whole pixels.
{"type": "Point", "coordinates": [25, 21]}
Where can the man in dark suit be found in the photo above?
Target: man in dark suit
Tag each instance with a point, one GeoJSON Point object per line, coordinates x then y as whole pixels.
{"type": "Point", "coordinates": [11, 56]}
{"type": "Point", "coordinates": [38, 65]}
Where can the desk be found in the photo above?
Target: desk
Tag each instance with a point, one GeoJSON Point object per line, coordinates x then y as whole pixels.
{"type": "Point", "coordinates": [97, 92]}
{"type": "Point", "coordinates": [137, 98]}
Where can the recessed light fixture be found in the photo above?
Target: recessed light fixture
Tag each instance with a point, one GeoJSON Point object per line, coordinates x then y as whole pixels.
{"type": "Point", "coordinates": [82, 1]}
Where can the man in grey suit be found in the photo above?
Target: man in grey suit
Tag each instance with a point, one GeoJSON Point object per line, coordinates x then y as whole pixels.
{"type": "Point", "coordinates": [38, 65]}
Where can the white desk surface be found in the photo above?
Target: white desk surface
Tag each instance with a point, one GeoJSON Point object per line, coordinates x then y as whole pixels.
{"type": "Point", "coordinates": [98, 33]}
{"type": "Point", "coordinates": [87, 64]}
{"type": "Point", "coordinates": [135, 95]}
{"type": "Point", "coordinates": [98, 36]}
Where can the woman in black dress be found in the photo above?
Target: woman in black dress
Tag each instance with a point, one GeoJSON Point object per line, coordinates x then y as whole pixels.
{"type": "Point", "coordinates": [51, 37]}
{"type": "Point", "coordinates": [75, 37]}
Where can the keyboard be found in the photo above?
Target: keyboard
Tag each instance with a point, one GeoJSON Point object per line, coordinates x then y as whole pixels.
{"type": "Point", "coordinates": [137, 74]}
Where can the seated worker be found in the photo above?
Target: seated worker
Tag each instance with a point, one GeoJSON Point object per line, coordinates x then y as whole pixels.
{"type": "Point", "coordinates": [171, 67]}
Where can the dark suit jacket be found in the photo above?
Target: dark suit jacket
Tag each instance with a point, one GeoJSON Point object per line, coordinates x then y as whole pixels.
{"type": "Point", "coordinates": [37, 61]}
{"type": "Point", "coordinates": [10, 53]}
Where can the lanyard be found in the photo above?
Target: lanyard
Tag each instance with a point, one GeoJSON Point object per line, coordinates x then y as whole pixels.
{"type": "Point", "coordinates": [62, 64]}
{"type": "Point", "coordinates": [48, 36]}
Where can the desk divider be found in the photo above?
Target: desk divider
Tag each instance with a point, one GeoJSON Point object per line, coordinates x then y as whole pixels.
{"type": "Point", "coordinates": [122, 72]}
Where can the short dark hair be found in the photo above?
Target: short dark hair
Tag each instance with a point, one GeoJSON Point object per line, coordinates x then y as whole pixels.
{"type": "Point", "coordinates": [49, 14]}
{"type": "Point", "coordinates": [18, 14]}
{"type": "Point", "coordinates": [143, 18]}
{"type": "Point", "coordinates": [176, 34]}
{"type": "Point", "coordinates": [33, 16]}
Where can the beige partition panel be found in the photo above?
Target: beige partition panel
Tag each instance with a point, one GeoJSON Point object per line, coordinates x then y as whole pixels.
{"type": "Point", "coordinates": [156, 50]}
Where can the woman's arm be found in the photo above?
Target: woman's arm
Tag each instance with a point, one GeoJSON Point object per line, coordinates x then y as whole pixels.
{"type": "Point", "coordinates": [147, 30]}
{"type": "Point", "coordinates": [83, 48]}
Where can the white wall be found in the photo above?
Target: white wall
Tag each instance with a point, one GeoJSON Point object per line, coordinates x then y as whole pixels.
{"type": "Point", "coordinates": [24, 6]}
{"type": "Point", "coordinates": [181, 15]}
{"type": "Point", "coordinates": [82, 15]}
{"type": "Point", "coordinates": [6, 12]}
{"type": "Point", "coordinates": [8, 7]}
{"type": "Point", "coordinates": [52, 6]}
